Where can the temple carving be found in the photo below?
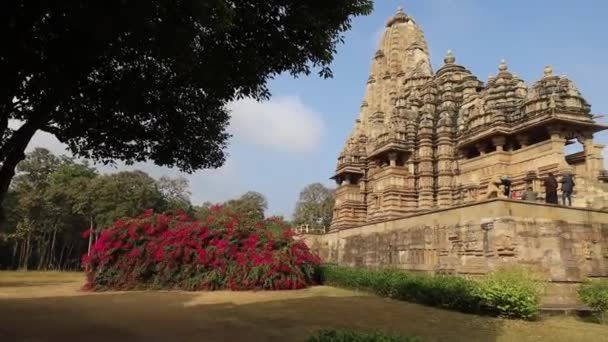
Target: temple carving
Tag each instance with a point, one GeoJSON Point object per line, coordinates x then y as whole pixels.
{"type": "Point", "coordinates": [427, 140]}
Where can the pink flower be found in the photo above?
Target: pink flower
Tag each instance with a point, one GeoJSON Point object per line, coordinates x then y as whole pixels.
{"type": "Point", "coordinates": [86, 233]}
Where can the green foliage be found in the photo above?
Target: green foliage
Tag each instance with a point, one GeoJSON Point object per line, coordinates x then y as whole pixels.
{"type": "Point", "coordinates": [53, 199]}
{"type": "Point", "coordinates": [595, 294]}
{"type": "Point", "coordinates": [251, 206]}
{"type": "Point", "coordinates": [123, 194]}
{"type": "Point", "coordinates": [353, 336]}
{"type": "Point", "coordinates": [138, 81]}
{"type": "Point", "coordinates": [512, 292]}
{"type": "Point", "coordinates": [450, 292]}
{"type": "Point", "coordinates": [176, 193]}
{"type": "Point", "coordinates": [315, 206]}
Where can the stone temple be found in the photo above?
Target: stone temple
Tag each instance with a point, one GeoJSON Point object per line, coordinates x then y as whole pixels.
{"type": "Point", "coordinates": [416, 178]}
{"type": "Point", "coordinates": [426, 140]}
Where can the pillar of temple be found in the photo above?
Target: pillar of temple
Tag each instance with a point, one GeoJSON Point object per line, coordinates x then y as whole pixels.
{"type": "Point", "coordinates": [445, 157]}
{"type": "Point", "coordinates": [591, 167]}
{"type": "Point", "coordinates": [558, 141]}
{"type": "Point", "coordinates": [411, 194]}
{"type": "Point", "coordinates": [425, 165]}
{"type": "Point", "coordinates": [499, 142]}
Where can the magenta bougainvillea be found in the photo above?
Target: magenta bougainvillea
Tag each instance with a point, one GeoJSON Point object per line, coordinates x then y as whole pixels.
{"type": "Point", "coordinates": [173, 251]}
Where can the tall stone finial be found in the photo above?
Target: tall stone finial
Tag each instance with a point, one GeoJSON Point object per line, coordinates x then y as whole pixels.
{"type": "Point", "coordinates": [449, 57]}
{"type": "Point", "coordinates": [548, 71]}
{"type": "Point", "coordinates": [399, 17]}
{"type": "Point", "coordinates": [502, 67]}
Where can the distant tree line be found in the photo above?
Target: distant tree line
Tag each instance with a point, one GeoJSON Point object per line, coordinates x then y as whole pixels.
{"type": "Point", "coordinates": [53, 200]}
{"type": "Point", "coordinates": [56, 208]}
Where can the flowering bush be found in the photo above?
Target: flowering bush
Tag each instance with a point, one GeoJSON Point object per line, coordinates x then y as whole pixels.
{"type": "Point", "coordinates": [173, 251]}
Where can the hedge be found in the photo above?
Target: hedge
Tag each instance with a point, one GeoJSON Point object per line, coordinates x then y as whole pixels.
{"type": "Point", "coordinates": [352, 336]}
{"type": "Point", "coordinates": [595, 294]}
{"type": "Point", "coordinates": [506, 292]}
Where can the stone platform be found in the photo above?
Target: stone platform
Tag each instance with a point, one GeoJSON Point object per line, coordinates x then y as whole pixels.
{"type": "Point", "coordinates": [565, 244]}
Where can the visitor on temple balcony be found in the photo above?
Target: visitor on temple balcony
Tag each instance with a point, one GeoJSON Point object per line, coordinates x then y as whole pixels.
{"type": "Point", "coordinates": [551, 189]}
{"type": "Point", "coordinates": [529, 195]}
{"type": "Point", "coordinates": [567, 188]}
{"type": "Point", "coordinates": [506, 186]}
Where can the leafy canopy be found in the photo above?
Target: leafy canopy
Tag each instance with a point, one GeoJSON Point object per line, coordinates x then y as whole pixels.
{"type": "Point", "coordinates": [149, 80]}
{"type": "Point", "coordinates": [315, 206]}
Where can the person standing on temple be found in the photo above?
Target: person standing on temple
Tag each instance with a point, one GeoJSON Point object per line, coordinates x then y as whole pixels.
{"type": "Point", "coordinates": [567, 188]}
{"type": "Point", "coordinates": [551, 189]}
{"type": "Point", "coordinates": [506, 184]}
{"type": "Point", "coordinates": [529, 195]}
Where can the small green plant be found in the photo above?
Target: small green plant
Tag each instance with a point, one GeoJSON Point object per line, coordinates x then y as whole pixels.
{"type": "Point", "coordinates": [595, 294]}
{"type": "Point", "coordinates": [511, 292]}
{"type": "Point", "coordinates": [353, 336]}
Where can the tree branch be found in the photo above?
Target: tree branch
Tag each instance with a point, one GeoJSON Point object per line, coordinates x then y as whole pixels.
{"type": "Point", "coordinates": [13, 151]}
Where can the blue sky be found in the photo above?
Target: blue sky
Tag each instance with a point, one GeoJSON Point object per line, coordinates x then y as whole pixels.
{"type": "Point", "coordinates": [293, 140]}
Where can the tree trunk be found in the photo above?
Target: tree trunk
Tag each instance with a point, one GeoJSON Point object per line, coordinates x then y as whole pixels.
{"type": "Point", "coordinates": [42, 251]}
{"type": "Point", "coordinates": [51, 258]}
{"type": "Point", "coordinates": [15, 247]}
{"type": "Point", "coordinates": [61, 265]}
{"type": "Point", "coordinates": [21, 254]}
{"type": "Point", "coordinates": [28, 251]}
{"type": "Point", "coordinates": [69, 254]}
{"type": "Point", "coordinates": [13, 149]}
{"type": "Point", "coordinates": [90, 234]}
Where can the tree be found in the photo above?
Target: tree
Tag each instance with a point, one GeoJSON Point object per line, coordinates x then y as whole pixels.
{"type": "Point", "coordinates": [315, 206]}
{"type": "Point", "coordinates": [135, 81]}
{"type": "Point", "coordinates": [176, 192]}
{"type": "Point", "coordinates": [42, 221]}
{"type": "Point", "coordinates": [123, 194]}
{"type": "Point", "coordinates": [251, 205]}
{"type": "Point", "coordinates": [203, 211]}
{"type": "Point", "coordinates": [35, 213]}
{"type": "Point", "coordinates": [69, 190]}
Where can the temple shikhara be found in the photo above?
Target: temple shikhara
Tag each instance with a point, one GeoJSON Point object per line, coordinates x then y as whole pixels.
{"type": "Point", "coordinates": [428, 140]}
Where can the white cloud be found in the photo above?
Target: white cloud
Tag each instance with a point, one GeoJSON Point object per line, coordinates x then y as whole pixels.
{"type": "Point", "coordinates": [282, 123]}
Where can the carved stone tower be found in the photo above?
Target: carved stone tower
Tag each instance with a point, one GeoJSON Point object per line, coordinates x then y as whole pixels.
{"type": "Point", "coordinates": [425, 140]}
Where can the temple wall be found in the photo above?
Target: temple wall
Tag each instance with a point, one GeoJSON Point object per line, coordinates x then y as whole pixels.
{"type": "Point", "coordinates": [567, 245]}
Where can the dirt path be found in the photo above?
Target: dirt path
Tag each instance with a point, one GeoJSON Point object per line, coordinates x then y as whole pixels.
{"type": "Point", "coordinates": [51, 308]}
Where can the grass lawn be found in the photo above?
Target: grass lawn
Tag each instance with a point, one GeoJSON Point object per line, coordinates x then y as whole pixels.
{"type": "Point", "coordinates": [47, 306]}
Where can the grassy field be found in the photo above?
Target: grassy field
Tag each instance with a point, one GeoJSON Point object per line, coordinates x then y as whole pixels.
{"type": "Point", "coordinates": [46, 306]}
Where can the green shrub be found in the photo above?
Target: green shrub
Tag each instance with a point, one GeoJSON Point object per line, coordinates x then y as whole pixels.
{"type": "Point", "coordinates": [352, 336]}
{"type": "Point", "coordinates": [512, 292]}
{"type": "Point", "coordinates": [506, 292]}
{"type": "Point", "coordinates": [450, 292]}
{"type": "Point", "coordinates": [595, 294]}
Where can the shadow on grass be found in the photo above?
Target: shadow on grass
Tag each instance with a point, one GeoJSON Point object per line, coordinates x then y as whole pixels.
{"type": "Point", "coordinates": [163, 316]}
{"type": "Point", "coordinates": [31, 283]}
